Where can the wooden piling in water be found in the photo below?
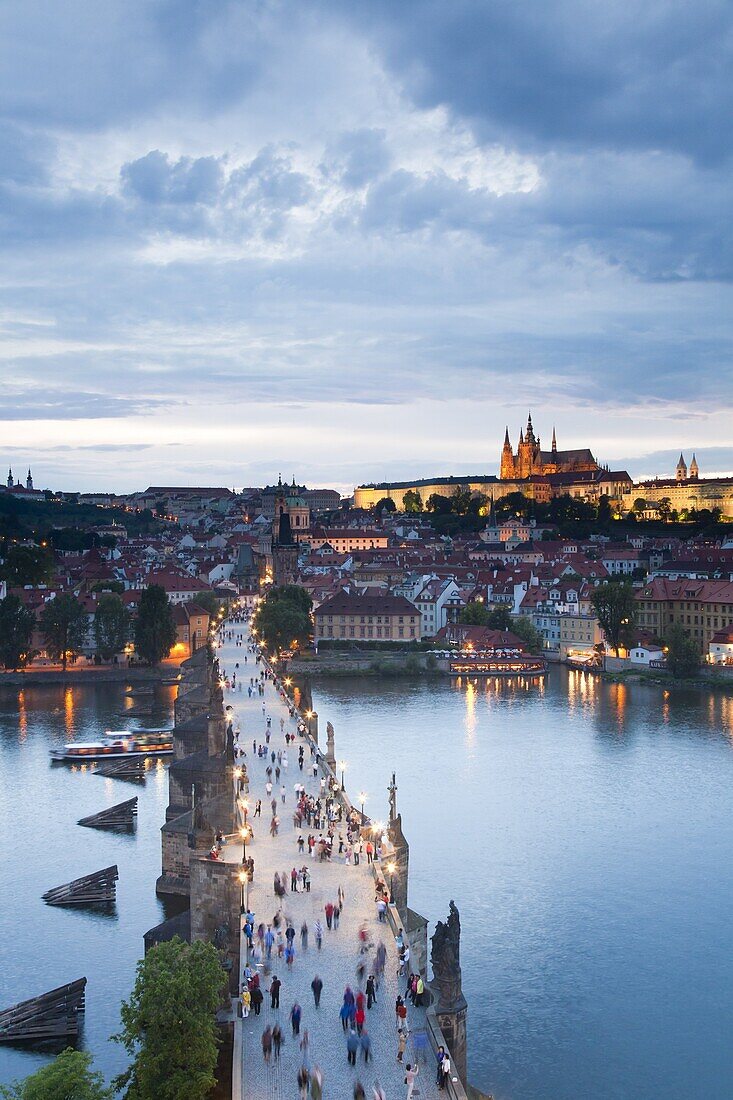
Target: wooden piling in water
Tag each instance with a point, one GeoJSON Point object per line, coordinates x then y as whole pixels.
{"type": "Point", "coordinates": [51, 1015]}
{"type": "Point", "coordinates": [121, 816]}
{"type": "Point", "coordinates": [99, 888]}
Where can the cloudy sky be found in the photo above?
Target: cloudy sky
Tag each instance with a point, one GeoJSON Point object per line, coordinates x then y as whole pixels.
{"type": "Point", "coordinates": [351, 241]}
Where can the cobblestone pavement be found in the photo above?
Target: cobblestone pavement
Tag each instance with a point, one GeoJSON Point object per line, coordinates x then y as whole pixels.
{"type": "Point", "coordinates": [336, 962]}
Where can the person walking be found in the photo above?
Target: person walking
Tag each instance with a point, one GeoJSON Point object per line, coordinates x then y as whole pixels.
{"type": "Point", "coordinates": [316, 1083]}
{"type": "Point", "coordinates": [303, 1082]}
{"type": "Point", "coordinates": [317, 987]}
{"type": "Point", "coordinates": [319, 934]}
{"type": "Point", "coordinates": [359, 1093]}
{"type": "Point", "coordinates": [352, 1046]}
{"type": "Point", "coordinates": [257, 999]}
{"type": "Point", "coordinates": [277, 1039]}
{"type": "Point", "coordinates": [329, 914]}
{"type": "Point", "coordinates": [366, 1045]}
{"type": "Point", "coordinates": [401, 1043]}
{"type": "Point", "coordinates": [275, 992]}
{"type": "Point", "coordinates": [267, 1044]}
{"type": "Point", "coordinates": [371, 991]}
{"type": "Point", "coordinates": [295, 1015]}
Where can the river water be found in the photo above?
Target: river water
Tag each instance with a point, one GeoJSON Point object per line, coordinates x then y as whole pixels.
{"type": "Point", "coordinates": [585, 831]}
{"type": "Point", "coordinates": [41, 846]}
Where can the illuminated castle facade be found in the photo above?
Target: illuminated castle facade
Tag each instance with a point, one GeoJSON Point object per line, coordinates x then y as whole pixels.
{"type": "Point", "coordinates": [530, 460]}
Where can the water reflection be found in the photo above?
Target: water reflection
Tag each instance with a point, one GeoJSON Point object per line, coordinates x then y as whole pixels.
{"type": "Point", "coordinates": [588, 831]}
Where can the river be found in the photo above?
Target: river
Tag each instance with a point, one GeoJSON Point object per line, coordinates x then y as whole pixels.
{"type": "Point", "coordinates": [42, 846]}
{"type": "Point", "coordinates": [585, 831]}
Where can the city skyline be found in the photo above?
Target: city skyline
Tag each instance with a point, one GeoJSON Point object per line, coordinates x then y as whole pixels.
{"type": "Point", "coordinates": [346, 245]}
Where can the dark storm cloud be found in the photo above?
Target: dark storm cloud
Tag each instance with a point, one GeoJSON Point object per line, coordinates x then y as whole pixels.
{"type": "Point", "coordinates": [637, 74]}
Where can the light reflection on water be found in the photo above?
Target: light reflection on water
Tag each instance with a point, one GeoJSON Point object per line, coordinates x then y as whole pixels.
{"type": "Point", "coordinates": [42, 846]}
{"type": "Point", "coordinates": [585, 830]}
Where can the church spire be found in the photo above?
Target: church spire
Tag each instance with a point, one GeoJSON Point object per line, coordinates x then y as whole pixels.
{"type": "Point", "coordinates": [507, 442]}
{"type": "Point", "coordinates": [29, 479]}
{"type": "Point", "coordinates": [554, 441]}
{"type": "Point", "coordinates": [10, 478]}
{"type": "Point", "coordinates": [521, 437]}
{"type": "Point", "coordinates": [530, 429]}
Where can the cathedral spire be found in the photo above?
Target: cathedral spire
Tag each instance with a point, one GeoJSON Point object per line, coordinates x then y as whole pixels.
{"type": "Point", "coordinates": [507, 443]}
{"type": "Point", "coordinates": [521, 437]}
{"type": "Point", "coordinates": [530, 429]}
{"type": "Point", "coordinates": [554, 441]}
{"type": "Point", "coordinates": [10, 478]}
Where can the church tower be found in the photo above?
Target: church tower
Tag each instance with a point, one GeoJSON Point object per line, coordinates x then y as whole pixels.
{"type": "Point", "coordinates": [506, 471]}
{"type": "Point", "coordinates": [681, 469]}
{"type": "Point", "coordinates": [10, 482]}
{"type": "Point", "coordinates": [694, 470]}
{"type": "Point", "coordinates": [29, 480]}
{"type": "Point", "coordinates": [284, 548]}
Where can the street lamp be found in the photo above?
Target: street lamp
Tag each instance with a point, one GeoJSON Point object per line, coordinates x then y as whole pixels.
{"type": "Point", "coordinates": [238, 777]}
{"type": "Point", "coordinates": [243, 876]}
{"type": "Point", "coordinates": [391, 870]}
{"type": "Point", "coordinates": [362, 800]}
{"type": "Point", "coordinates": [244, 833]}
{"type": "Point", "coordinates": [342, 765]}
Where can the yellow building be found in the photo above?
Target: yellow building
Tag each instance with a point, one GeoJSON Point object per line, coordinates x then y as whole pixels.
{"type": "Point", "coordinates": [686, 491]}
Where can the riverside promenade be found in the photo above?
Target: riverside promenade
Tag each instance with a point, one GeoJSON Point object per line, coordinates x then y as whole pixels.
{"type": "Point", "coordinates": [337, 961]}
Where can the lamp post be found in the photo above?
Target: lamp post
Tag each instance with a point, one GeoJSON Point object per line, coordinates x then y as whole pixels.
{"type": "Point", "coordinates": [391, 869]}
{"type": "Point", "coordinates": [342, 765]}
{"type": "Point", "coordinates": [244, 833]}
{"type": "Point", "coordinates": [362, 800]}
{"type": "Point", "coordinates": [238, 777]}
{"type": "Point", "coordinates": [243, 876]}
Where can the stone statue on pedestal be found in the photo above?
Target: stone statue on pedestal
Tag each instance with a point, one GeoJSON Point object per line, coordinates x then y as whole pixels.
{"type": "Point", "coordinates": [445, 958]}
{"type": "Point", "coordinates": [330, 746]}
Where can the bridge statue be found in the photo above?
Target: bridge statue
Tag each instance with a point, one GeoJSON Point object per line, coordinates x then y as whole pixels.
{"type": "Point", "coordinates": [445, 958]}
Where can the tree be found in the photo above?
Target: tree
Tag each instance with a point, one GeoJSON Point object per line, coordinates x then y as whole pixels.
{"type": "Point", "coordinates": [111, 626]}
{"type": "Point", "coordinates": [474, 614]}
{"type": "Point", "coordinates": [664, 508]}
{"type": "Point", "coordinates": [108, 586]}
{"type": "Point", "coordinates": [294, 594]}
{"type": "Point", "coordinates": [525, 629]}
{"type": "Point", "coordinates": [210, 602]}
{"type": "Point", "coordinates": [284, 617]}
{"type": "Point", "coordinates": [412, 501]}
{"type": "Point", "coordinates": [385, 504]}
{"type": "Point", "coordinates": [155, 630]}
{"type": "Point", "coordinates": [438, 503]}
{"type": "Point", "coordinates": [64, 624]}
{"type": "Point", "coordinates": [499, 619]}
{"type": "Point", "coordinates": [169, 1023]}
{"type": "Point", "coordinates": [68, 1077]}
{"type": "Point", "coordinates": [639, 505]}
{"type": "Point", "coordinates": [460, 500]}
{"type": "Point", "coordinates": [27, 565]}
{"type": "Point", "coordinates": [513, 504]}
{"type": "Point", "coordinates": [16, 631]}
{"type": "Point", "coordinates": [615, 608]}
{"type": "Point", "coordinates": [683, 656]}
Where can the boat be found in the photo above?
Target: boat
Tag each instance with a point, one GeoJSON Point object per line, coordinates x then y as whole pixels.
{"type": "Point", "coordinates": [125, 745]}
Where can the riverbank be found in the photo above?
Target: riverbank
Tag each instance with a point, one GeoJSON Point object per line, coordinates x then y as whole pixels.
{"type": "Point", "coordinates": [103, 674]}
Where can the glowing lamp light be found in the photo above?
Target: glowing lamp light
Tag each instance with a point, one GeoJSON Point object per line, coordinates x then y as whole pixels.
{"type": "Point", "coordinates": [391, 868]}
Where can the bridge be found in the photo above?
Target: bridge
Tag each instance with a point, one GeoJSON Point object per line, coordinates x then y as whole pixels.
{"type": "Point", "coordinates": [337, 961]}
